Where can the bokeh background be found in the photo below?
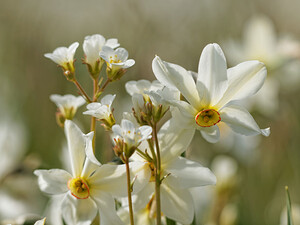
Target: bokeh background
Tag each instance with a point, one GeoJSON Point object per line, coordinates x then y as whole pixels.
{"type": "Point", "coordinates": [177, 31]}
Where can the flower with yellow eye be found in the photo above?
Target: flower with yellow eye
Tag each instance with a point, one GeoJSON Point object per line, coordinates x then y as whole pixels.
{"type": "Point", "coordinates": [117, 61]}
{"type": "Point", "coordinates": [212, 98]}
{"type": "Point", "coordinates": [91, 186]}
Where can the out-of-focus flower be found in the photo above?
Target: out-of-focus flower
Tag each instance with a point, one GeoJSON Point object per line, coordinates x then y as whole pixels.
{"type": "Point", "coordinates": [295, 215]}
{"type": "Point", "coordinates": [177, 173]}
{"type": "Point", "coordinates": [67, 105]}
{"type": "Point", "coordinates": [102, 110]}
{"type": "Point", "coordinates": [12, 145]}
{"type": "Point", "coordinates": [213, 97]}
{"type": "Point", "coordinates": [92, 47]}
{"type": "Point", "coordinates": [117, 61]}
{"type": "Point", "coordinates": [127, 137]}
{"type": "Point", "coordinates": [91, 186]}
{"type": "Point", "coordinates": [229, 214]}
{"type": "Point", "coordinates": [64, 57]}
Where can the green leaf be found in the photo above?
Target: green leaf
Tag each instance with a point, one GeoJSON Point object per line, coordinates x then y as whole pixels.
{"type": "Point", "coordinates": [289, 207]}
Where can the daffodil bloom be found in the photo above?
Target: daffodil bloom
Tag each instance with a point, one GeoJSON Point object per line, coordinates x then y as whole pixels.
{"type": "Point", "coordinates": [102, 110]}
{"type": "Point", "coordinates": [116, 60]}
{"type": "Point", "coordinates": [91, 186]}
{"type": "Point", "coordinates": [178, 174]}
{"type": "Point", "coordinates": [64, 57]}
{"type": "Point", "coordinates": [129, 137]}
{"type": "Point", "coordinates": [212, 98]}
{"type": "Point", "coordinates": [92, 47]}
{"type": "Point", "coordinates": [67, 104]}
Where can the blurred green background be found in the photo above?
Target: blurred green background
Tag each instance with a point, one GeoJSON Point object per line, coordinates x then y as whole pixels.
{"type": "Point", "coordinates": [177, 31]}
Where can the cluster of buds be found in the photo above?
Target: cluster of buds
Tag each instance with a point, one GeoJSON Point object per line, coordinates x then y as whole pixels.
{"type": "Point", "coordinates": [127, 137]}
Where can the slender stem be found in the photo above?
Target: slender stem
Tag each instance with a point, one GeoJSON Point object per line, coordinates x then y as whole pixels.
{"type": "Point", "coordinates": [93, 119]}
{"type": "Point", "coordinates": [157, 178]}
{"type": "Point", "coordinates": [129, 192]}
{"type": "Point", "coordinates": [82, 91]}
{"type": "Point", "coordinates": [104, 85]}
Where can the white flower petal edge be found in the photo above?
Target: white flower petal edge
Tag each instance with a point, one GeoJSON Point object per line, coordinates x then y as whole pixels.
{"type": "Point", "coordinates": [53, 181]}
{"type": "Point", "coordinates": [241, 121]}
{"type": "Point", "coordinates": [189, 173]}
{"type": "Point", "coordinates": [40, 222]}
{"type": "Point", "coordinates": [78, 211]}
{"type": "Point", "coordinates": [212, 71]}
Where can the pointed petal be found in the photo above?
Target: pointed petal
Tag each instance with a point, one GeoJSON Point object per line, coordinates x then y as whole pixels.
{"type": "Point", "coordinates": [176, 77]}
{"type": "Point", "coordinates": [244, 80]}
{"type": "Point", "coordinates": [173, 141]}
{"type": "Point", "coordinates": [91, 163]}
{"type": "Point", "coordinates": [241, 121]}
{"type": "Point", "coordinates": [53, 181]}
{"type": "Point", "coordinates": [76, 146]}
{"type": "Point", "coordinates": [40, 222]}
{"type": "Point", "coordinates": [211, 134]}
{"type": "Point", "coordinates": [212, 72]}
{"type": "Point", "coordinates": [185, 173]}
{"type": "Point", "coordinates": [141, 199]}
{"type": "Point", "coordinates": [78, 211]}
{"type": "Point", "coordinates": [106, 205]}
{"type": "Point", "coordinates": [177, 204]}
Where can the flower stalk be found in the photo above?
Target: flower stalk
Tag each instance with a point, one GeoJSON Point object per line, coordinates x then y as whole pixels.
{"type": "Point", "coordinates": [129, 190]}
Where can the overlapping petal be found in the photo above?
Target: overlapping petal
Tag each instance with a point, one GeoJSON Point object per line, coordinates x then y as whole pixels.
{"type": "Point", "coordinates": [210, 134]}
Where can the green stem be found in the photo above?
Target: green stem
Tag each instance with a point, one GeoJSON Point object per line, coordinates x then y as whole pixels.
{"type": "Point", "coordinates": [93, 119]}
{"type": "Point", "coordinates": [157, 178]}
{"type": "Point", "coordinates": [129, 192]}
{"type": "Point", "coordinates": [82, 91]}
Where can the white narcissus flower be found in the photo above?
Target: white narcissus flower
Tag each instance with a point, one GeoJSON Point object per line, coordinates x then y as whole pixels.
{"type": "Point", "coordinates": [92, 46]}
{"type": "Point", "coordinates": [91, 186]}
{"type": "Point", "coordinates": [67, 104]}
{"type": "Point", "coordinates": [101, 110]}
{"type": "Point", "coordinates": [64, 57]}
{"type": "Point", "coordinates": [213, 97]}
{"type": "Point", "coordinates": [178, 174]}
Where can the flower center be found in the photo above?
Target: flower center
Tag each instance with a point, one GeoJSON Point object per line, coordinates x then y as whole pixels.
{"type": "Point", "coordinates": [114, 59]}
{"type": "Point", "coordinates": [207, 118]}
{"type": "Point", "coordinates": [79, 188]}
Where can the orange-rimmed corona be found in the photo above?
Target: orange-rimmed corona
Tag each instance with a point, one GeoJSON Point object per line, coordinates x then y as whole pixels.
{"type": "Point", "coordinates": [79, 188]}
{"type": "Point", "coordinates": [208, 118]}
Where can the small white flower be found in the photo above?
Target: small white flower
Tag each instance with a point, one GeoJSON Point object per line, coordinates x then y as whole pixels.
{"type": "Point", "coordinates": [91, 186]}
{"type": "Point", "coordinates": [178, 175]}
{"type": "Point", "coordinates": [132, 136]}
{"type": "Point", "coordinates": [64, 56]}
{"type": "Point", "coordinates": [101, 110]}
{"type": "Point", "coordinates": [140, 86]}
{"type": "Point", "coordinates": [92, 46]}
{"type": "Point", "coordinates": [116, 58]}
{"type": "Point", "coordinates": [67, 104]}
{"type": "Point", "coordinates": [213, 97]}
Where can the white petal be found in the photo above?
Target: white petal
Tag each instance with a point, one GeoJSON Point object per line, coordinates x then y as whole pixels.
{"type": "Point", "coordinates": [212, 72]}
{"type": "Point", "coordinates": [76, 146]}
{"type": "Point", "coordinates": [122, 54]}
{"type": "Point", "coordinates": [106, 53]}
{"type": "Point", "coordinates": [141, 199]}
{"type": "Point", "coordinates": [91, 163]}
{"type": "Point", "coordinates": [186, 109]}
{"type": "Point", "coordinates": [78, 211]}
{"type": "Point", "coordinates": [173, 141]}
{"type": "Point", "coordinates": [71, 50]}
{"type": "Point", "coordinates": [106, 205]}
{"type": "Point", "coordinates": [40, 222]}
{"type": "Point", "coordinates": [112, 42]}
{"type": "Point", "coordinates": [145, 132]}
{"type": "Point", "coordinates": [177, 204]}
{"type": "Point", "coordinates": [111, 179]}
{"type": "Point", "coordinates": [53, 181]}
{"type": "Point", "coordinates": [128, 126]}
{"type": "Point", "coordinates": [210, 134]}
{"type": "Point", "coordinates": [241, 121]}
{"type": "Point", "coordinates": [185, 173]}
{"type": "Point", "coordinates": [244, 80]}
{"type": "Point", "coordinates": [128, 63]}
{"type": "Point", "coordinates": [176, 77]}
{"type": "Point", "coordinates": [108, 99]}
